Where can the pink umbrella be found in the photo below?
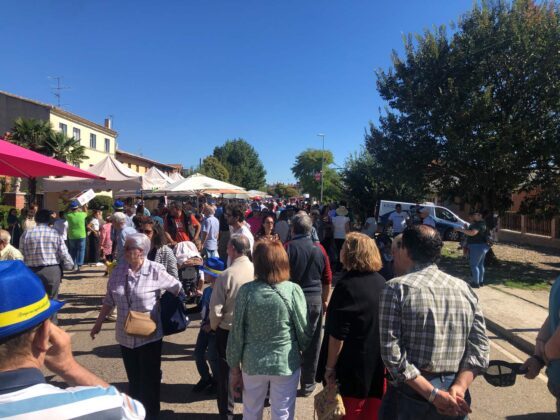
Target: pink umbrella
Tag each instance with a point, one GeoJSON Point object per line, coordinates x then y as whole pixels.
{"type": "Point", "coordinates": [20, 162]}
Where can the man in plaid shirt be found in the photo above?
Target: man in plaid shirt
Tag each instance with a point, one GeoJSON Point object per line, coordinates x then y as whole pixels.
{"type": "Point", "coordinates": [45, 252]}
{"type": "Point", "coordinates": [433, 339]}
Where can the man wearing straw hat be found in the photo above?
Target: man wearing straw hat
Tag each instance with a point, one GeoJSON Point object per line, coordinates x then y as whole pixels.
{"type": "Point", "coordinates": [29, 342]}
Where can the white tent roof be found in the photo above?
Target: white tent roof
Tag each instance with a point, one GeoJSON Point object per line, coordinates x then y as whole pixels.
{"type": "Point", "coordinates": [201, 183]}
{"type": "Point", "coordinates": [117, 177]}
{"type": "Point", "coordinates": [154, 179]}
{"type": "Point", "coordinates": [256, 193]}
{"type": "Point", "coordinates": [176, 176]}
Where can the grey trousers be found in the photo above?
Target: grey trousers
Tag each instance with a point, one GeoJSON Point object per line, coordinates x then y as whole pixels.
{"type": "Point", "coordinates": [311, 354]}
{"type": "Point", "coordinates": [51, 276]}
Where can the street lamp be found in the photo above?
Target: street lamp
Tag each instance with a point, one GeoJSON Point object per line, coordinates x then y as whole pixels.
{"type": "Point", "coordinates": [322, 164]}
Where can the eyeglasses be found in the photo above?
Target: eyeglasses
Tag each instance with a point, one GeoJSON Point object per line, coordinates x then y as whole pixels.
{"type": "Point", "coordinates": [269, 222]}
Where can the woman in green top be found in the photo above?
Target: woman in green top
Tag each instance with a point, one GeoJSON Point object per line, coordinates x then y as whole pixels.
{"type": "Point", "coordinates": [268, 335]}
{"type": "Point", "coordinates": [477, 245]}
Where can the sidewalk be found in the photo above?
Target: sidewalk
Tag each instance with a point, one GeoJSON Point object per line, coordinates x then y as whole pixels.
{"type": "Point", "coordinates": [514, 314]}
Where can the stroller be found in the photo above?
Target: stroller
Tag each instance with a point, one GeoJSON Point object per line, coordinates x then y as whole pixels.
{"type": "Point", "coordinates": [189, 275]}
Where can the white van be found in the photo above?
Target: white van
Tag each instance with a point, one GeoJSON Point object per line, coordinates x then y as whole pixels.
{"type": "Point", "coordinates": [445, 219]}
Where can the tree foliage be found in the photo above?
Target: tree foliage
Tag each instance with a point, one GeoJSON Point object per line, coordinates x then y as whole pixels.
{"type": "Point", "coordinates": [213, 168]}
{"type": "Point", "coordinates": [474, 114]}
{"type": "Point", "coordinates": [282, 190]}
{"type": "Point", "coordinates": [243, 164]}
{"type": "Point", "coordinates": [308, 165]}
{"type": "Point", "coordinates": [66, 149]}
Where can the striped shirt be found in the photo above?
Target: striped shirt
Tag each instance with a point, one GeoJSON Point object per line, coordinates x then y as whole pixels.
{"type": "Point", "coordinates": [431, 321]}
{"type": "Point", "coordinates": [24, 395]}
{"type": "Point", "coordinates": [43, 245]}
{"type": "Point", "coordinates": [144, 290]}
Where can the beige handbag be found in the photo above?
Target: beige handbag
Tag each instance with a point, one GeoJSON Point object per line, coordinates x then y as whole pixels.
{"type": "Point", "coordinates": [329, 404]}
{"type": "Point", "coordinates": [139, 324]}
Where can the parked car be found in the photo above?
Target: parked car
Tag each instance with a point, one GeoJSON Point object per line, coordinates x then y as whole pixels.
{"type": "Point", "coordinates": [445, 219]}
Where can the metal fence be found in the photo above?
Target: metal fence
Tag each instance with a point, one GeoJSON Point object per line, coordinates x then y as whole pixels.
{"type": "Point", "coordinates": [511, 221]}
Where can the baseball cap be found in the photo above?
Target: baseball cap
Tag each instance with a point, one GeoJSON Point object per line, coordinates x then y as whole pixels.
{"type": "Point", "coordinates": [213, 266]}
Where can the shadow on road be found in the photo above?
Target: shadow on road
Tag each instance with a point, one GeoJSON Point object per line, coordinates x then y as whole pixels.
{"type": "Point", "coordinates": [534, 416]}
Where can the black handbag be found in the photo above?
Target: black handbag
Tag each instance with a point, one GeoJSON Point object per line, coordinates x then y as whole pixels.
{"type": "Point", "coordinates": [173, 313]}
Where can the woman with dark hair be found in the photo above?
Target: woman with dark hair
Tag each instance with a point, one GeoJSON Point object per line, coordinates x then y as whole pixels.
{"type": "Point", "coordinates": [268, 335]}
{"type": "Point", "coordinates": [351, 353]}
{"type": "Point", "coordinates": [159, 252]}
{"type": "Point", "coordinates": [14, 227]}
{"type": "Point", "coordinates": [266, 232]}
{"type": "Point", "coordinates": [93, 229]}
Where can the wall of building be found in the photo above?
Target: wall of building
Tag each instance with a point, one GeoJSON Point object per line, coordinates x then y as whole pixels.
{"type": "Point", "coordinates": [94, 155]}
{"type": "Point", "coordinates": [13, 108]}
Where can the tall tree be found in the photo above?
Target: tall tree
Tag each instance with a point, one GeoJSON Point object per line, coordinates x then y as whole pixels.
{"type": "Point", "coordinates": [307, 170]}
{"type": "Point", "coordinates": [361, 187]}
{"type": "Point", "coordinates": [213, 168]}
{"type": "Point", "coordinates": [474, 115]}
{"type": "Point", "coordinates": [243, 164]}
{"type": "Point", "coordinates": [282, 190]}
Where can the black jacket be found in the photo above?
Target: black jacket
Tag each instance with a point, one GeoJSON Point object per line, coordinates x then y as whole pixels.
{"type": "Point", "coordinates": [301, 251]}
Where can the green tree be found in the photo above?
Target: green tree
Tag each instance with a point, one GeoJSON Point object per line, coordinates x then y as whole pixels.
{"type": "Point", "coordinates": [243, 164]}
{"type": "Point", "coordinates": [283, 190]}
{"type": "Point", "coordinates": [66, 149]}
{"type": "Point", "coordinates": [214, 169]}
{"type": "Point", "coordinates": [33, 135]}
{"type": "Point", "coordinates": [474, 115]}
{"type": "Point", "coordinates": [307, 170]}
{"type": "Point", "coordinates": [361, 189]}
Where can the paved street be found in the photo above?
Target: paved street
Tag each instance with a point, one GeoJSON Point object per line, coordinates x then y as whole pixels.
{"type": "Point", "coordinates": [526, 400]}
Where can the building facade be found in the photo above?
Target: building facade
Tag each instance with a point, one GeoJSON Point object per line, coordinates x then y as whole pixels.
{"type": "Point", "coordinates": [99, 140]}
{"type": "Point", "coordinates": [141, 164]}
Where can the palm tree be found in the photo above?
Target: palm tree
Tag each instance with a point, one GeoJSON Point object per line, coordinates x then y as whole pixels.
{"type": "Point", "coordinates": [31, 134]}
{"type": "Point", "coordinates": [66, 149]}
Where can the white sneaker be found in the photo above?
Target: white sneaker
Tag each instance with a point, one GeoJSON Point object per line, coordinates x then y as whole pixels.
{"type": "Point", "coordinates": [99, 264]}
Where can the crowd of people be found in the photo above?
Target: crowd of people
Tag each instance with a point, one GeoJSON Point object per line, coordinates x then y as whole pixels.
{"type": "Point", "coordinates": [396, 335]}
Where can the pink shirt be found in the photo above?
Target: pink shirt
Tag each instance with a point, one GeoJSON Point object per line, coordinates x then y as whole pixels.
{"type": "Point", "coordinates": [106, 242]}
{"type": "Point", "coordinates": [255, 223]}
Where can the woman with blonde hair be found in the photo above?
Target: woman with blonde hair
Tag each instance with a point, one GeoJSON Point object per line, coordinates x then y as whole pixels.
{"type": "Point", "coordinates": [350, 354]}
{"type": "Point", "coordinates": [268, 335]}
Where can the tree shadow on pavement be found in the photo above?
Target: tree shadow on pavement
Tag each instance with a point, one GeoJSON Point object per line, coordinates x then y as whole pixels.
{"type": "Point", "coordinates": [112, 351]}
{"type": "Point", "coordinates": [534, 416]}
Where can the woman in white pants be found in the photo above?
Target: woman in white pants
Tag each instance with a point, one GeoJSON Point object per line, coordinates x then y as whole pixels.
{"type": "Point", "coordinates": [269, 332]}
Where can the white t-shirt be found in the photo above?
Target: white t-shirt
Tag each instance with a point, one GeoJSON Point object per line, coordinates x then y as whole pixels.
{"type": "Point", "coordinates": [339, 226]}
{"type": "Point", "coordinates": [61, 226]}
{"type": "Point", "coordinates": [94, 224]}
{"type": "Point", "coordinates": [399, 221]}
{"type": "Point", "coordinates": [372, 227]}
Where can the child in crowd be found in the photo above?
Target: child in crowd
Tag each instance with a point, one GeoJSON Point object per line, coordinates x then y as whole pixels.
{"type": "Point", "coordinates": [205, 348]}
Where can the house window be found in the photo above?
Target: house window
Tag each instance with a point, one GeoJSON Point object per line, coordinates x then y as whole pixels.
{"type": "Point", "coordinates": [77, 134]}
{"type": "Point", "coordinates": [107, 145]}
{"type": "Point", "coordinates": [63, 128]}
{"type": "Point", "coordinates": [130, 166]}
{"type": "Point", "coordinates": [92, 141]}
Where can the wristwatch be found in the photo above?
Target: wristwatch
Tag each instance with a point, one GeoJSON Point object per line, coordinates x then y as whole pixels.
{"type": "Point", "coordinates": [433, 395]}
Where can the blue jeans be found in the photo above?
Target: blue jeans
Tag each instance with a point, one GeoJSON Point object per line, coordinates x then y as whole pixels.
{"type": "Point", "coordinates": [77, 249]}
{"type": "Point", "coordinates": [211, 253]}
{"type": "Point", "coordinates": [477, 254]}
{"type": "Point", "coordinates": [401, 402]}
{"type": "Point", "coordinates": [206, 346]}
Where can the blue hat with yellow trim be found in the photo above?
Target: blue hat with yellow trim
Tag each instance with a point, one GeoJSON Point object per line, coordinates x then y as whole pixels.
{"type": "Point", "coordinates": [213, 266]}
{"type": "Point", "coordinates": [23, 300]}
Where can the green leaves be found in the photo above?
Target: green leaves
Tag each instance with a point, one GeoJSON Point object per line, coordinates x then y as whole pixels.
{"type": "Point", "coordinates": [307, 170]}
{"type": "Point", "coordinates": [243, 164]}
{"type": "Point", "coordinates": [213, 168]}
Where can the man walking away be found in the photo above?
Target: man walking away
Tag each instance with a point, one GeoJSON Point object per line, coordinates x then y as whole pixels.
{"type": "Point", "coordinates": [432, 331]}
{"type": "Point", "coordinates": [210, 231]}
{"type": "Point", "coordinates": [45, 252]}
{"type": "Point", "coordinates": [222, 305]}
{"type": "Point", "coordinates": [77, 234]}
{"type": "Point", "coordinates": [307, 265]}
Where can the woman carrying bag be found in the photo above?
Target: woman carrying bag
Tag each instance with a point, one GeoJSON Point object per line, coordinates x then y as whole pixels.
{"type": "Point", "coordinates": [134, 287]}
{"type": "Point", "coordinates": [268, 335]}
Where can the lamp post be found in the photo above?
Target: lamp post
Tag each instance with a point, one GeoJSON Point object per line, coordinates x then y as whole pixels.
{"type": "Point", "coordinates": [322, 164]}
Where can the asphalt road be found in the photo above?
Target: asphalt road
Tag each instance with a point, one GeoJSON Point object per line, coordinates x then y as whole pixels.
{"type": "Point", "coordinates": [526, 400]}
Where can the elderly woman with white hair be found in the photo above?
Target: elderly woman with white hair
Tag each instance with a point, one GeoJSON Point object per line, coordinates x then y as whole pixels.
{"type": "Point", "coordinates": [135, 286]}
{"type": "Point", "coordinates": [8, 251]}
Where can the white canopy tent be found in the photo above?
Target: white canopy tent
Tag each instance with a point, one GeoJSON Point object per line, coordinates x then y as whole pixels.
{"type": "Point", "coordinates": [176, 176]}
{"type": "Point", "coordinates": [117, 177]}
{"type": "Point", "coordinates": [152, 181]}
{"type": "Point", "coordinates": [198, 183]}
{"type": "Point", "coordinates": [256, 193]}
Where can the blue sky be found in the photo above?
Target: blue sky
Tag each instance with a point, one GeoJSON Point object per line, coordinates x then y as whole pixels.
{"type": "Point", "coordinates": [182, 76]}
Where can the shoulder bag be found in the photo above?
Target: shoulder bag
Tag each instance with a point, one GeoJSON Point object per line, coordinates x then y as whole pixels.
{"type": "Point", "coordinates": [174, 317]}
{"type": "Point", "coordinates": [139, 324]}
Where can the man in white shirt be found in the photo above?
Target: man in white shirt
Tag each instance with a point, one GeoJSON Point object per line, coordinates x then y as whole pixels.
{"type": "Point", "coordinates": [61, 226]}
{"type": "Point", "coordinates": [399, 220]}
{"type": "Point", "coordinates": [235, 217]}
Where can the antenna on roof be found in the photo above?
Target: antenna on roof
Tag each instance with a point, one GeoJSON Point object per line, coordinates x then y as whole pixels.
{"type": "Point", "coordinates": [58, 89]}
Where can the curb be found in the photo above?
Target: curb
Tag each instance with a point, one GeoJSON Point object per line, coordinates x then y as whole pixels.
{"type": "Point", "coordinates": [522, 344]}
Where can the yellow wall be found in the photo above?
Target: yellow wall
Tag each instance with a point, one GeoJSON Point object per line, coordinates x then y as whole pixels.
{"type": "Point", "coordinates": [94, 155]}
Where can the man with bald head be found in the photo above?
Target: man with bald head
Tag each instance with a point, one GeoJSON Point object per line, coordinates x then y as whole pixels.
{"type": "Point", "coordinates": [433, 339]}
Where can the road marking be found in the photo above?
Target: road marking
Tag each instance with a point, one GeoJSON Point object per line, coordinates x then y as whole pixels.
{"type": "Point", "coordinates": [515, 358]}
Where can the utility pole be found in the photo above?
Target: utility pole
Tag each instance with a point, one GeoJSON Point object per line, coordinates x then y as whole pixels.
{"type": "Point", "coordinates": [58, 89]}
{"type": "Point", "coordinates": [322, 164]}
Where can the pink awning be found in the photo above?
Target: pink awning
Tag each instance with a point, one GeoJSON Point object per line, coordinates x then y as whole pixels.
{"type": "Point", "coordinates": [20, 162]}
